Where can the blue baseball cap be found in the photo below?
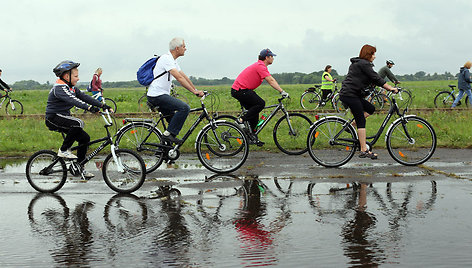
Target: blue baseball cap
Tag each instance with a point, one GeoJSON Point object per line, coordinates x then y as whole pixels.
{"type": "Point", "coordinates": [266, 52]}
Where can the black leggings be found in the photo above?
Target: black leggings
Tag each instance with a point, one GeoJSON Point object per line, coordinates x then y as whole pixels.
{"type": "Point", "coordinates": [252, 103]}
{"type": "Point", "coordinates": [73, 128]}
{"type": "Point", "coordinates": [358, 106]}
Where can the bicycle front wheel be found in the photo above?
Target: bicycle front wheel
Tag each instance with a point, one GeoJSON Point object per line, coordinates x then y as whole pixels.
{"type": "Point", "coordinates": [411, 140]}
{"type": "Point", "coordinates": [310, 100]}
{"type": "Point", "coordinates": [444, 99]}
{"type": "Point", "coordinates": [126, 173]}
{"type": "Point", "coordinates": [14, 107]}
{"type": "Point", "coordinates": [145, 139]}
{"type": "Point", "coordinates": [142, 104]}
{"type": "Point", "coordinates": [290, 133]}
{"type": "Point", "coordinates": [328, 145]}
{"type": "Point", "coordinates": [110, 103]}
{"type": "Point", "coordinates": [46, 172]}
{"type": "Point", "coordinates": [222, 148]}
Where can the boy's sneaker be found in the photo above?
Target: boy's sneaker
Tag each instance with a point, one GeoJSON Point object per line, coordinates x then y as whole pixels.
{"type": "Point", "coordinates": [171, 138]}
{"type": "Point", "coordinates": [87, 175]}
{"type": "Point", "coordinates": [66, 154]}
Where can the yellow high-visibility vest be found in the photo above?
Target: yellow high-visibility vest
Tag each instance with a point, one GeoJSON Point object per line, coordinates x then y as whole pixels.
{"type": "Point", "coordinates": [325, 84]}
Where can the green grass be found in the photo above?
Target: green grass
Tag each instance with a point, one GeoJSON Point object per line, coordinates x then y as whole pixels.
{"type": "Point", "coordinates": [24, 136]}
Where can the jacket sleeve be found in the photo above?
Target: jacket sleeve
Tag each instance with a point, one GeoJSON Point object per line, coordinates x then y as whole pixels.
{"type": "Point", "coordinates": [87, 99]}
{"type": "Point", "coordinates": [4, 85]}
{"type": "Point", "coordinates": [368, 70]}
{"type": "Point", "coordinates": [391, 76]}
{"type": "Point", "coordinates": [95, 86]}
{"type": "Point", "coordinates": [63, 93]}
{"type": "Point", "coordinates": [467, 77]}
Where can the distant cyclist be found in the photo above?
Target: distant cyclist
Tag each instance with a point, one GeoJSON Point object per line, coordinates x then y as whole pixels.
{"type": "Point", "coordinates": [463, 83]}
{"type": "Point", "coordinates": [245, 84]}
{"type": "Point", "coordinates": [386, 72]}
{"type": "Point", "coordinates": [4, 85]}
{"type": "Point", "coordinates": [62, 97]}
{"type": "Point", "coordinates": [327, 83]}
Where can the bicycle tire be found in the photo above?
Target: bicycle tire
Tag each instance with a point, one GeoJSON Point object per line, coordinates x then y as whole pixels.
{"type": "Point", "coordinates": [293, 142]}
{"type": "Point", "coordinates": [14, 107]}
{"type": "Point", "coordinates": [132, 137]}
{"type": "Point", "coordinates": [53, 178]}
{"type": "Point", "coordinates": [416, 150]}
{"type": "Point", "coordinates": [404, 99]}
{"type": "Point", "coordinates": [322, 147]}
{"type": "Point", "coordinates": [310, 100]}
{"type": "Point", "coordinates": [230, 156]}
{"type": "Point", "coordinates": [339, 105]}
{"type": "Point", "coordinates": [111, 103]}
{"type": "Point", "coordinates": [181, 97]}
{"type": "Point", "coordinates": [128, 180]}
{"type": "Point", "coordinates": [444, 99]}
{"type": "Point", "coordinates": [142, 104]}
{"type": "Point", "coordinates": [226, 117]}
{"type": "Point", "coordinates": [379, 100]}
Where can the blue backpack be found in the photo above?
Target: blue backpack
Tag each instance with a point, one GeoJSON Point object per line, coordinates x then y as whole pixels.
{"type": "Point", "coordinates": [145, 73]}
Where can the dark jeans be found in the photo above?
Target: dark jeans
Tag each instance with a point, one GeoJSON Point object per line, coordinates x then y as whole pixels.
{"type": "Point", "coordinates": [73, 128]}
{"type": "Point", "coordinates": [358, 106]}
{"type": "Point", "coordinates": [252, 103]}
{"type": "Point", "coordinates": [174, 108]}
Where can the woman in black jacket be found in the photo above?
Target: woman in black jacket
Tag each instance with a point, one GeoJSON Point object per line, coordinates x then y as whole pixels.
{"type": "Point", "coordinates": [361, 74]}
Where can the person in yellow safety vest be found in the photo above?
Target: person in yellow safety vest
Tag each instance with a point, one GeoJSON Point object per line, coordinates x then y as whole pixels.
{"type": "Point", "coordinates": [327, 83]}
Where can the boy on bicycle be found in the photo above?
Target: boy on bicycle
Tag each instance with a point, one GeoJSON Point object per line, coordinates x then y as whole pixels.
{"type": "Point", "coordinates": [245, 84]}
{"type": "Point", "coordinates": [62, 97]}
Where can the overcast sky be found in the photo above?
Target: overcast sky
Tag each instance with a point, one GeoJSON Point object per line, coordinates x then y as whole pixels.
{"type": "Point", "coordinates": [224, 36]}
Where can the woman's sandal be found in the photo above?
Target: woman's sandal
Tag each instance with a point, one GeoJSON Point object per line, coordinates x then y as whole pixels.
{"type": "Point", "coordinates": [368, 154]}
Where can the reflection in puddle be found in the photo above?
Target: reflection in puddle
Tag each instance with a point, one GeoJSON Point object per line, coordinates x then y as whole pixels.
{"type": "Point", "coordinates": [247, 221]}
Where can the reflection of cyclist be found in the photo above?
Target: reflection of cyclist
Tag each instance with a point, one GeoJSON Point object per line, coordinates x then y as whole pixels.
{"type": "Point", "coordinates": [97, 83]}
{"type": "Point", "coordinates": [360, 75]}
{"type": "Point", "coordinates": [62, 97]}
{"type": "Point", "coordinates": [463, 83]}
{"type": "Point", "coordinates": [327, 83]}
{"type": "Point", "coordinates": [245, 84]}
{"type": "Point", "coordinates": [159, 90]}
{"type": "Point", "coordinates": [386, 72]}
{"type": "Point", "coordinates": [4, 85]}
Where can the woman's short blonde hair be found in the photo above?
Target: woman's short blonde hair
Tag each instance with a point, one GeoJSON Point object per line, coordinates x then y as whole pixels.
{"type": "Point", "coordinates": [468, 65]}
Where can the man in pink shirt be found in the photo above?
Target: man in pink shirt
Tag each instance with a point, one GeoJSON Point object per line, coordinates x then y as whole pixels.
{"type": "Point", "coordinates": [245, 84]}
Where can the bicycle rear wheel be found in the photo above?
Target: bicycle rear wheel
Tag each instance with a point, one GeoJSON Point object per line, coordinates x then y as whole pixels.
{"type": "Point", "coordinates": [444, 99]}
{"type": "Point", "coordinates": [142, 104]}
{"type": "Point", "coordinates": [145, 139]}
{"type": "Point", "coordinates": [110, 103]}
{"type": "Point", "coordinates": [14, 107]}
{"type": "Point", "coordinates": [46, 172]}
{"type": "Point", "coordinates": [310, 100]}
{"type": "Point", "coordinates": [290, 133]}
{"type": "Point", "coordinates": [411, 141]}
{"type": "Point", "coordinates": [126, 174]}
{"type": "Point", "coordinates": [222, 148]}
{"type": "Point", "coordinates": [327, 149]}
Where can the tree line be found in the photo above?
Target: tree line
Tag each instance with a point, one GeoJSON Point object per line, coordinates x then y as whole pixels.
{"type": "Point", "coordinates": [282, 78]}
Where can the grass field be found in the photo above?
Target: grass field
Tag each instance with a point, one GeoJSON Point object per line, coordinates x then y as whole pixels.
{"type": "Point", "coordinates": [26, 135]}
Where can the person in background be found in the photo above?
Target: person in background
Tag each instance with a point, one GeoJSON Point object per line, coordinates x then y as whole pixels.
{"type": "Point", "coordinates": [243, 89]}
{"type": "Point", "coordinates": [463, 83]}
{"type": "Point", "coordinates": [97, 83]}
{"type": "Point", "coordinates": [386, 72]}
{"type": "Point", "coordinates": [159, 91]}
{"type": "Point", "coordinates": [361, 74]}
{"type": "Point", "coordinates": [327, 83]}
{"type": "Point", "coordinates": [3, 85]}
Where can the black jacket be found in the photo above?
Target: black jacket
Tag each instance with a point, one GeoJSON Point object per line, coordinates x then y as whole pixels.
{"type": "Point", "coordinates": [361, 74]}
{"type": "Point", "coordinates": [3, 85]}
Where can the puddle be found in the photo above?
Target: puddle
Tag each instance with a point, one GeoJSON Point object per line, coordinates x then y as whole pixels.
{"type": "Point", "coordinates": [234, 221]}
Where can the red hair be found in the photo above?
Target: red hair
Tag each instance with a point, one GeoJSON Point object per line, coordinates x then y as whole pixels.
{"type": "Point", "coordinates": [366, 52]}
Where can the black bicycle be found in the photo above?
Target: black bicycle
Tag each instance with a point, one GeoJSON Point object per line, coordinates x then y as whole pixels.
{"type": "Point", "coordinates": [312, 99]}
{"type": "Point", "coordinates": [12, 107]}
{"type": "Point", "coordinates": [222, 147]}
{"type": "Point", "coordinates": [411, 140]}
{"type": "Point", "coordinates": [289, 131]}
{"type": "Point", "coordinates": [123, 170]}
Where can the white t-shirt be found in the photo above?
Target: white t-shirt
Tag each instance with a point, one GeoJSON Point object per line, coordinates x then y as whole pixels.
{"type": "Point", "coordinates": [162, 85]}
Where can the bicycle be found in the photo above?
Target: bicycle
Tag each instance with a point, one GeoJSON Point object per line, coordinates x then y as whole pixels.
{"type": "Point", "coordinates": [290, 130]}
{"type": "Point", "coordinates": [104, 100]}
{"type": "Point", "coordinates": [123, 170]}
{"type": "Point", "coordinates": [142, 101]}
{"type": "Point", "coordinates": [445, 99]}
{"type": "Point", "coordinates": [12, 107]}
{"type": "Point", "coordinates": [411, 140]}
{"type": "Point", "coordinates": [221, 146]}
{"type": "Point", "coordinates": [311, 99]}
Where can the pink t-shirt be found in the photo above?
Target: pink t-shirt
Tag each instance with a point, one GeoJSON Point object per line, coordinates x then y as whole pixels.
{"type": "Point", "coordinates": [252, 76]}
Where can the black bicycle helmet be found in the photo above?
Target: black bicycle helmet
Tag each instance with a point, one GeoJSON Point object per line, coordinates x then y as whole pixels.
{"type": "Point", "coordinates": [64, 66]}
{"type": "Point", "coordinates": [390, 62]}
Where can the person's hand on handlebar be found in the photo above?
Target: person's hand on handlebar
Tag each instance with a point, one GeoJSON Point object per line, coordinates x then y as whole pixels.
{"type": "Point", "coordinates": [199, 93]}
{"type": "Point", "coordinates": [284, 94]}
{"type": "Point", "coordinates": [107, 108]}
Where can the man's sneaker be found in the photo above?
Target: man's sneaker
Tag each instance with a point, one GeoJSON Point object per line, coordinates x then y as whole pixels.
{"type": "Point", "coordinates": [254, 140]}
{"type": "Point", "coordinates": [171, 138]}
{"type": "Point", "coordinates": [66, 154]}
